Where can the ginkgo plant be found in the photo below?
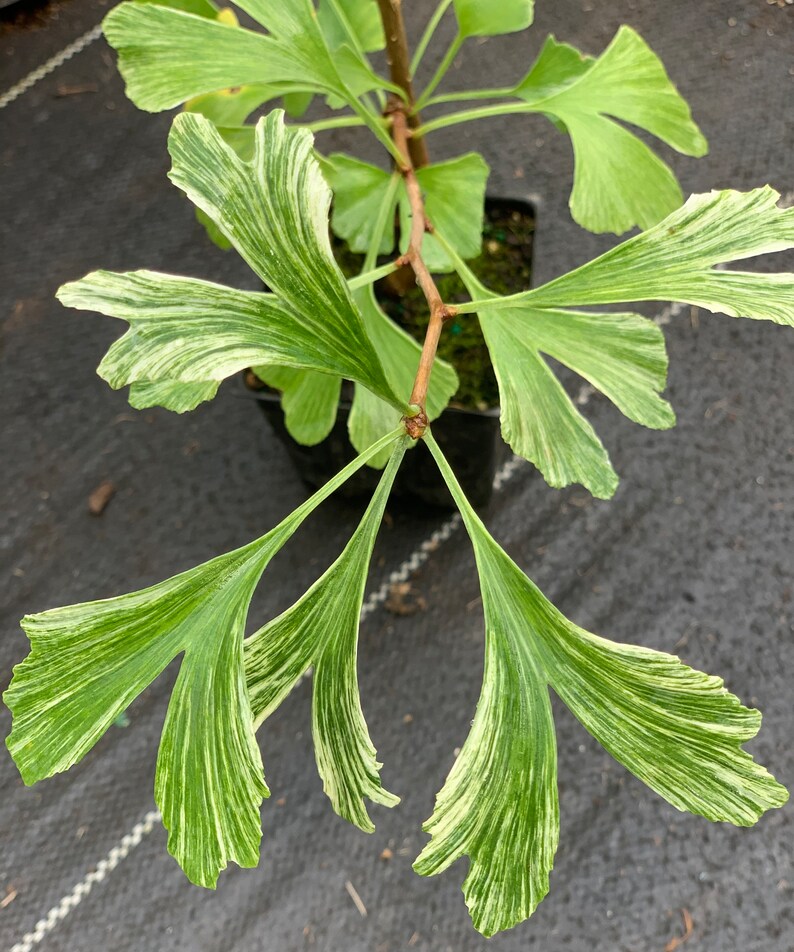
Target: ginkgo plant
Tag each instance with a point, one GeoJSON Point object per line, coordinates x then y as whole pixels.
{"type": "Point", "coordinates": [262, 189]}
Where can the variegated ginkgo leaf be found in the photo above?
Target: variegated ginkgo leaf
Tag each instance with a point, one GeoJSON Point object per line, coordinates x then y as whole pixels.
{"type": "Point", "coordinates": [678, 259]}
{"type": "Point", "coordinates": [168, 56]}
{"type": "Point", "coordinates": [321, 629]}
{"type": "Point", "coordinates": [618, 181]}
{"type": "Point", "coordinates": [622, 355]}
{"type": "Point", "coordinates": [274, 210]}
{"type": "Point", "coordinates": [361, 208]}
{"type": "Point", "coordinates": [676, 729]}
{"type": "Point", "coordinates": [175, 396]}
{"type": "Point", "coordinates": [88, 662]}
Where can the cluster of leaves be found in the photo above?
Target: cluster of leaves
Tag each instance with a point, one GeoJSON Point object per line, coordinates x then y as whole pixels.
{"type": "Point", "coordinates": [262, 190]}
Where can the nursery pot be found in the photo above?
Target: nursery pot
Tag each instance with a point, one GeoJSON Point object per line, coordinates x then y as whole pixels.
{"type": "Point", "coordinates": [471, 439]}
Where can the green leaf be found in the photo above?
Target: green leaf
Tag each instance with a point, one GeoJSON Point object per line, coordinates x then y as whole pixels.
{"type": "Point", "coordinates": [677, 261]}
{"type": "Point", "coordinates": [358, 20]}
{"type": "Point", "coordinates": [619, 182]}
{"type": "Point", "coordinates": [622, 355]}
{"type": "Point", "coordinates": [310, 401]}
{"type": "Point", "coordinates": [487, 18]}
{"type": "Point", "coordinates": [557, 66]}
{"type": "Point", "coordinates": [678, 730]}
{"type": "Point", "coordinates": [296, 104]}
{"type": "Point", "coordinates": [167, 56]}
{"type": "Point", "coordinates": [88, 662]}
{"type": "Point", "coordinates": [193, 332]}
{"type": "Point", "coordinates": [275, 212]}
{"type": "Point", "coordinates": [321, 629]}
{"type": "Point", "coordinates": [201, 8]}
{"type": "Point", "coordinates": [454, 194]}
{"type": "Point", "coordinates": [360, 190]}
{"type": "Point", "coordinates": [499, 804]}
{"type": "Point", "coordinates": [231, 107]}
{"type": "Point", "coordinates": [178, 397]}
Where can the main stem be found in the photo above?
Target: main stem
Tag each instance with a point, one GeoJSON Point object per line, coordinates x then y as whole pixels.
{"type": "Point", "coordinates": [439, 312]}
{"type": "Point", "coordinates": [399, 60]}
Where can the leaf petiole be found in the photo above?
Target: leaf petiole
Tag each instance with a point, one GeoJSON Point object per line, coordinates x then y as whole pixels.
{"type": "Point", "coordinates": [427, 36]}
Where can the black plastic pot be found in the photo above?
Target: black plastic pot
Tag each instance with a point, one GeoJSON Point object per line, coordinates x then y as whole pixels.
{"type": "Point", "coordinates": [470, 439]}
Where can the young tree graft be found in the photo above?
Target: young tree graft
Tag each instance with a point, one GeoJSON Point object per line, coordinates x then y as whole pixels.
{"type": "Point", "coordinates": [399, 61]}
{"type": "Point", "coordinates": [439, 311]}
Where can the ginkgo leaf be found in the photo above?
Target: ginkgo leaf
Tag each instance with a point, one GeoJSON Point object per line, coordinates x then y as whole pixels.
{"type": "Point", "coordinates": [486, 18]}
{"type": "Point", "coordinates": [359, 20]}
{"type": "Point", "coordinates": [169, 56]}
{"type": "Point", "coordinates": [191, 331]}
{"type": "Point", "coordinates": [678, 730]}
{"type": "Point", "coordinates": [454, 193]}
{"type": "Point", "coordinates": [499, 804]}
{"type": "Point", "coordinates": [321, 629]}
{"type": "Point", "coordinates": [310, 401]}
{"type": "Point", "coordinates": [275, 212]}
{"type": "Point", "coordinates": [296, 104]}
{"type": "Point", "coordinates": [676, 261]}
{"type": "Point", "coordinates": [174, 396]}
{"type": "Point", "coordinates": [618, 181]}
{"type": "Point", "coordinates": [622, 355]}
{"type": "Point", "coordinates": [231, 107]}
{"type": "Point", "coordinates": [360, 190]}
{"type": "Point", "coordinates": [88, 662]}
{"type": "Point", "coordinates": [202, 8]}
{"type": "Point", "coordinates": [538, 418]}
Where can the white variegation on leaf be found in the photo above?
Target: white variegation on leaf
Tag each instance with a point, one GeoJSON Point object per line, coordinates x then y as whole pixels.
{"type": "Point", "coordinates": [175, 396]}
{"type": "Point", "coordinates": [321, 630]}
{"type": "Point", "coordinates": [88, 662]}
{"type": "Point", "coordinates": [168, 56]}
{"type": "Point", "coordinates": [618, 181]}
{"type": "Point", "coordinates": [275, 213]}
{"type": "Point", "coordinates": [309, 401]}
{"type": "Point", "coordinates": [678, 261]}
{"type": "Point", "coordinates": [622, 355]}
{"type": "Point", "coordinates": [676, 729]}
{"type": "Point", "coordinates": [499, 805]}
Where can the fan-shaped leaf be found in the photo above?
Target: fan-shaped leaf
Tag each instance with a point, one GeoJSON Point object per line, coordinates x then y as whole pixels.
{"type": "Point", "coordinates": [619, 182]}
{"type": "Point", "coordinates": [321, 629]}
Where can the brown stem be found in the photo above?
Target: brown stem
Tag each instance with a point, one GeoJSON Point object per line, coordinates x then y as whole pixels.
{"type": "Point", "coordinates": [399, 61]}
{"type": "Point", "coordinates": [439, 312]}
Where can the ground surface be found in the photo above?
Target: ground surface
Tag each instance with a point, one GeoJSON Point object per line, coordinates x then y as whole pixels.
{"type": "Point", "coordinates": [694, 554]}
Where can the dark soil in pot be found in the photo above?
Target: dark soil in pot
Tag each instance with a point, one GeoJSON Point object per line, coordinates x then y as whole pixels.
{"type": "Point", "coordinates": [468, 430]}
